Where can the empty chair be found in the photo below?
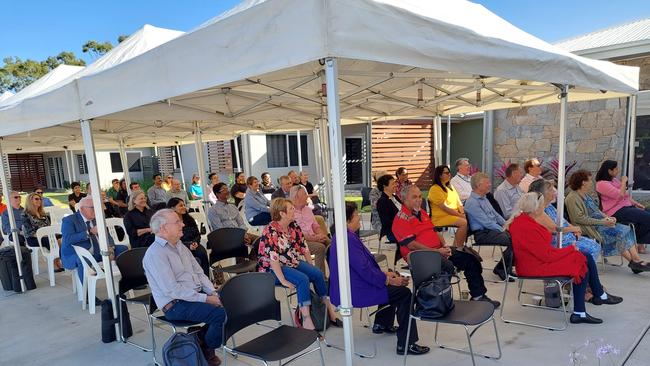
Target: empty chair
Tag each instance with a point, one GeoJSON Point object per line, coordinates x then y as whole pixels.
{"type": "Point", "coordinates": [92, 273]}
{"type": "Point", "coordinates": [424, 265]}
{"type": "Point", "coordinates": [132, 277]}
{"type": "Point", "coordinates": [51, 254]}
{"type": "Point", "coordinates": [57, 213]}
{"type": "Point", "coordinates": [227, 243]}
{"type": "Point", "coordinates": [249, 299]}
{"type": "Point", "coordinates": [112, 223]}
{"type": "Point", "coordinates": [201, 219]}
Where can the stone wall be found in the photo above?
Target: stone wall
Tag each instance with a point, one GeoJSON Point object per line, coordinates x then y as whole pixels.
{"type": "Point", "coordinates": [595, 131]}
{"type": "Point", "coordinates": [644, 75]}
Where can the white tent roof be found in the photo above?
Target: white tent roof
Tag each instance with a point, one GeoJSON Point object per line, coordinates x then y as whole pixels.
{"type": "Point", "coordinates": [55, 76]}
{"type": "Point", "coordinates": [7, 94]}
{"type": "Point", "coordinates": [257, 67]}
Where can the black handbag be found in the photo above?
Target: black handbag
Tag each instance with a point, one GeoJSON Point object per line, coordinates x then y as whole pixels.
{"type": "Point", "coordinates": [434, 297]}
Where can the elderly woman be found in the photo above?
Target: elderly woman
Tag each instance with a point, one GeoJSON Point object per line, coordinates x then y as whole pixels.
{"type": "Point", "coordinates": [570, 233]}
{"type": "Point", "coordinates": [283, 252]}
{"type": "Point", "coordinates": [402, 178]}
{"type": "Point", "coordinates": [34, 218]}
{"type": "Point", "coordinates": [191, 233]}
{"type": "Point", "coordinates": [256, 205]}
{"type": "Point", "coordinates": [446, 208]}
{"type": "Point", "coordinates": [388, 205]}
{"type": "Point", "coordinates": [316, 238]}
{"type": "Point", "coordinates": [583, 211]}
{"type": "Point", "coordinates": [136, 221]}
{"type": "Point", "coordinates": [536, 256]}
{"type": "Point", "coordinates": [370, 286]}
{"type": "Point", "coordinates": [618, 203]}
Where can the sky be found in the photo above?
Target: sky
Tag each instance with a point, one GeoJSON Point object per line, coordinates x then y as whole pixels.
{"type": "Point", "coordinates": [37, 29]}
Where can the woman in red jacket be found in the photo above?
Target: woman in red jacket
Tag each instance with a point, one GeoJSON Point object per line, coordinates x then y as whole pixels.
{"type": "Point", "coordinates": [535, 256]}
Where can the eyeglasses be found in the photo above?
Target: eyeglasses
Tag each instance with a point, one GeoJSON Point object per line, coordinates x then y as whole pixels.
{"type": "Point", "coordinates": [39, 192]}
{"type": "Point", "coordinates": [446, 173]}
{"type": "Point", "coordinates": [15, 197]}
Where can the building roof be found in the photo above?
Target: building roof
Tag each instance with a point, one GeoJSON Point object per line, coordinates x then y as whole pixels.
{"type": "Point", "coordinates": [614, 42]}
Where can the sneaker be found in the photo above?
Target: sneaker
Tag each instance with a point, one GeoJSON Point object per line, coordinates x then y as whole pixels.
{"type": "Point", "coordinates": [414, 349]}
{"type": "Point", "coordinates": [495, 303]}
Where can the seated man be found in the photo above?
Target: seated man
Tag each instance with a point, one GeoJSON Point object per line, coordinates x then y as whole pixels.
{"type": "Point", "coordinates": [176, 191]}
{"type": "Point", "coordinates": [224, 214]}
{"type": "Point", "coordinates": [460, 181]}
{"type": "Point", "coordinates": [14, 204]}
{"type": "Point", "coordinates": [413, 230]}
{"type": "Point", "coordinates": [80, 229]}
{"type": "Point", "coordinates": [316, 239]}
{"type": "Point", "coordinates": [46, 201]}
{"type": "Point", "coordinates": [533, 170]}
{"type": "Point", "coordinates": [178, 285]}
{"type": "Point", "coordinates": [283, 190]}
{"type": "Point", "coordinates": [156, 194]}
{"type": "Point", "coordinates": [486, 223]}
{"type": "Point", "coordinates": [509, 192]}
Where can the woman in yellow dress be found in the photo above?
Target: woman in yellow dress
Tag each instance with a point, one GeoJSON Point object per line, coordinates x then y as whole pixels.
{"type": "Point", "coordinates": [446, 208]}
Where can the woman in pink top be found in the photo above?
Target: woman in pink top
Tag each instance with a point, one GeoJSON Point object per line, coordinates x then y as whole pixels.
{"type": "Point", "coordinates": [616, 201]}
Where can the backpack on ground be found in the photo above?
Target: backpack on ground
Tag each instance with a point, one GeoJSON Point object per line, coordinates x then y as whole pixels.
{"type": "Point", "coordinates": [434, 297]}
{"type": "Point", "coordinates": [182, 349]}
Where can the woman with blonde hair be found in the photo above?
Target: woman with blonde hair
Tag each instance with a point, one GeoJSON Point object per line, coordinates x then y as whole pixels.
{"type": "Point", "coordinates": [136, 221]}
{"type": "Point", "coordinates": [34, 218]}
{"type": "Point", "coordinates": [535, 256]}
{"type": "Point", "coordinates": [284, 253]}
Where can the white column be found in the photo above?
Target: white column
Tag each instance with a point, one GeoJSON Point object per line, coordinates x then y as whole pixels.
{"type": "Point", "coordinates": [299, 151]}
{"type": "Point", "coordinates": [74, 171]}
{"type": "Point", "coordinates": [327, 165]}
{"type": "Point", "coordinates": [318, 154]}
{"type": "Point", "coordinates": [93, 177]}
{"type": "Point", "coordinates": [338, 203]}
{"type": "Point", "coordinates": [68, 163]}
{"type": "Point", "coordinates": [631, 142]}
{"type": "Point", "coordinates": [237, 166]}
{"type": "Point", "coordinates": [180, 165]}
{"type": "Point", "coordinates": [449, 140]}
{"type": "Point", "coordinates": [125, 164]}
{"type": "Point", "coordinates": [198, 146]}
{"type": "Point", "coordinates": [564, 92]}
{"type": "Point", "coordinates": [12, 220]}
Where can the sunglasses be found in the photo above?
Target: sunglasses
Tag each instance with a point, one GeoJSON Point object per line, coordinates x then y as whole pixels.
{"type": "Point", "coordinates": [36, 198]}
{"type": "Point", "coordinates": [39, 192]}
{"type": "Point", "coordinates": [15, 197]}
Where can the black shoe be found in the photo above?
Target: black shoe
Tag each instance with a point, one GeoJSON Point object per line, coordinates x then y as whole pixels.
{"type": "Point", "coordinates": [379, 329]}
{"type": "Point", "coordinates": [502, 274]}
{"type": "Point", "coordinates": [495, 303]}
{"type": "Point", "coordinates": [611, 300]}
{"type": "Point", "coordinates": [577, 319]}
{"type": "Point", "coordinates": [98, 301]}
{"type": "Point", "coordinates": [338, 323]}
{"type": "Point", "coordinates": [414, 349]}
{"type": "Point", "coordinates": [637, 267]}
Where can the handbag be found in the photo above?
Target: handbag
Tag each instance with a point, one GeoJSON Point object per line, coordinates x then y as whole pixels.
{"type": "Point", "coordinates": [434, 297]}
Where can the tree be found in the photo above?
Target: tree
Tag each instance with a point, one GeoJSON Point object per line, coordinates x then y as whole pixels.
{"type": "Point", "coordinates": [96, 49]}
{"type": "Point", "coordinates": [122, 38]}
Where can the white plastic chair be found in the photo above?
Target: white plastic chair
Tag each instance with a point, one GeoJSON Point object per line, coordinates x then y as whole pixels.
{"type": "Point", "coordinates": [112, 223]}
{"type": "Point", "coordinates": [257, 230]}
{"type": "Point", "coordinates": [57, 213]}
{"type": "Point", "coordinates": [92, 273]}
{"type": "Point", "coordinates": [49, 254]}
{"type": "Point", "coordinates": [200, 218]}
{"type": "Point", "coordinates": [197, 205]}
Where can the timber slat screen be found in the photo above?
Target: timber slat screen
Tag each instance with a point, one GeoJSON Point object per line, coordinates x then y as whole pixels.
{"type": "Point", "coordinates": [404, 143]}
{"type": "Point", "coordinates": [219, 157]}
{"type": "Point", "coordinates": [27, 171]}
{"type": "Point", "coordinates": [166, 159]}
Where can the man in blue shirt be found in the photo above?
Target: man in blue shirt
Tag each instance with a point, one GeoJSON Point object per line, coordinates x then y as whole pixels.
{"type": "Point", "coordinates": [485, 223]}
{"type": "Point", "coordinates": [14, 204]}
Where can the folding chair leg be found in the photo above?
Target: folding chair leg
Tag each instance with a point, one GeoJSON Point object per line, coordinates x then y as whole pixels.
{"type": "Point", "coordinates": [469, 341]}
{"type": "Point", "coordinates": [565, 317]}
{"type": "Point", "coordinates": [362, 355]}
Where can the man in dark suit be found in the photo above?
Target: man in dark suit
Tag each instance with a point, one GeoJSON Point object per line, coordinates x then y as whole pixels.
{"type": "Point", "coordinates": [80, 229]}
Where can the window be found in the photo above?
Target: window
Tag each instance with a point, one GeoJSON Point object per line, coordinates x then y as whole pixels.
{"type": "Point", "coordinates": [276, 151]}
{"type": "Point", "coordinates": [293, 150]}
{"type": "Point", "coordinates": [642, 154]}
{"type": "Point", "coordinates": [83, 164]}
{"type": "Point", "coordinates": [132, 158]}
{"type": "Point", "coordinates": [277, 147]}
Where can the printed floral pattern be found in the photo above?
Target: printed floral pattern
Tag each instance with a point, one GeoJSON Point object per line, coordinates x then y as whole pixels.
{"type": "Point", "coordinates": [276, 244]}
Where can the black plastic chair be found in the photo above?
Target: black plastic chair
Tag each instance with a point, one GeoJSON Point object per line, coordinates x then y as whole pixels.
{"type": "Point", "coordinates": [365, 196]}
{"type": "Point", "coordinates": [227, 243]}
{"type": "Point", "coordinates": [424, 265]}
{"type": "Point", "coordinates": [132, 277]}
{"type": "Point", "coordinates": [249, 299]}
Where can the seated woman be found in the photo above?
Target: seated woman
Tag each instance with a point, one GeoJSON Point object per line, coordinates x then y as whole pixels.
{"type": "Point", "coordinates": [373, 196]}
{"type": "Point", "coordinates": [618, 203]}
{"type": "Point", "coordinates": [571, 234]}
{"type": "Point", "coordinates": [34, 218]}
{"type": "Point", "coordinates": [280, 248]}
{"type": "Point", "coordinates": [614, 238]}
{"type": "Point", "coordinates": [388, 205]}
{"type": "Point", "coordinates": [136, 221]}
{"type": "Point", "coordinates": [446, 208]}
{"type": "Point", "coordinates": [257, 206]}
{"type": "Point", "coordinates": [195, 189]}
{"type": "Point", "coordinates": [535, 256]}
{"type": "Point", "coordinates": [370, 286]}
{"type": "Point", "coordinates": [191, 234]}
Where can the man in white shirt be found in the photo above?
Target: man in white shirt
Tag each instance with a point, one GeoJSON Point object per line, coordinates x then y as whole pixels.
{"type": "Point", "coordinates": [508, 193]}
{"type": "Point", "coordinates": [533, 172]}
{"type": "Point", "coordinates": [179, 286]}
{"type": "Point", "coordinates": [462, 180]}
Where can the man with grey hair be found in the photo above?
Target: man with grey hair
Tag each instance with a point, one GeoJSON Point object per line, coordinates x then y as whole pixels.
{"type": "Point", "coordinates": [509, 192]}
{"type": "Point", "coordinates": [461, 181]}
{"type": "Point", "coordinates": [179, 286]}
{"type": "Point", "coordinates": [283, 189]}
{"type": "Point", "coordinates": [14, 204]}
{"type": "Point", "coordinates": [316, 239]}
{"type": "Point", "coordinates": [176, 191]}
{"type": "Point", "coordinates": [486, 223]}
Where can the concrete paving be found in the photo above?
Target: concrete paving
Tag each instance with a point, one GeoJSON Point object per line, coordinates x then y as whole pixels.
{"type": "Point", "coordinates": [47, 326]}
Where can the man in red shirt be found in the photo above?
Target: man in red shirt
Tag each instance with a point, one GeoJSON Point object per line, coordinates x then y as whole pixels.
{"type": "Point", "coordinates": [413, 230]}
